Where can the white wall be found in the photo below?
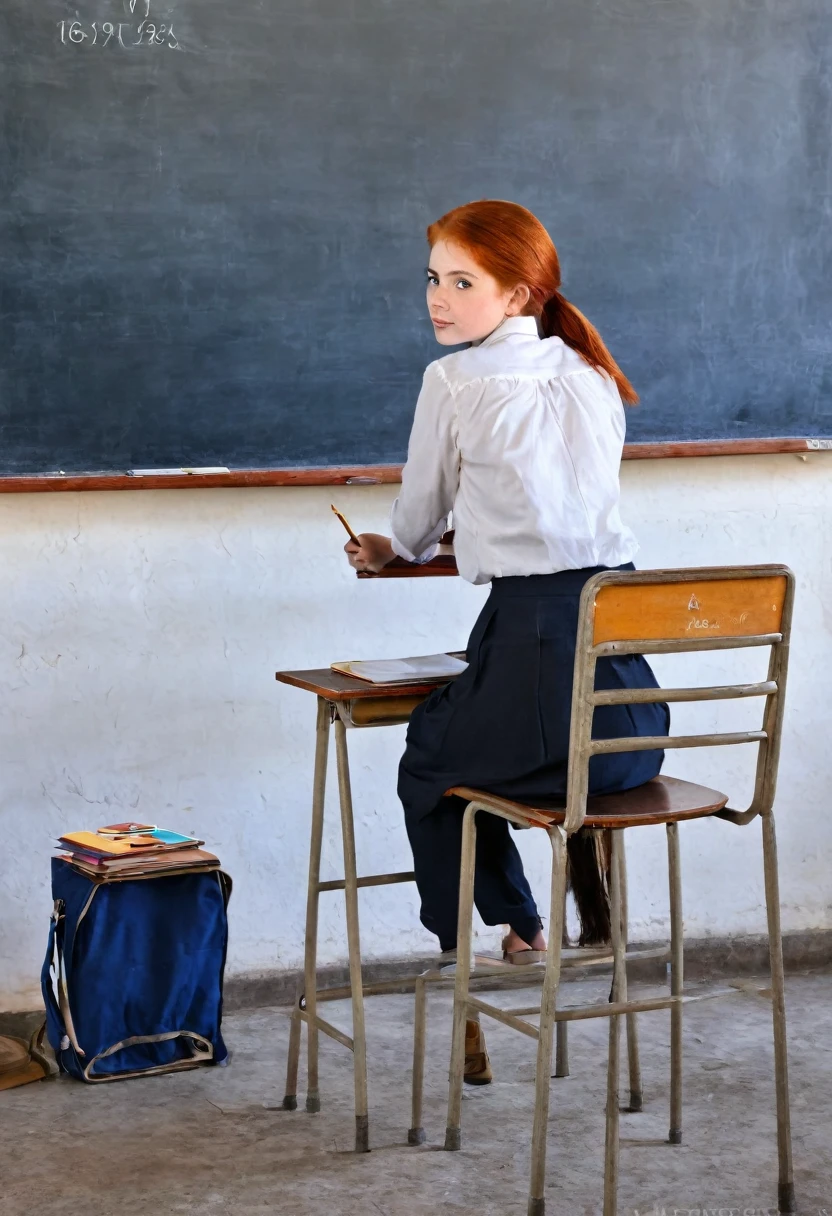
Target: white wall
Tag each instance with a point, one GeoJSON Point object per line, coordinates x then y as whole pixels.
{"type": "Point", "coordinates": [140, 633]}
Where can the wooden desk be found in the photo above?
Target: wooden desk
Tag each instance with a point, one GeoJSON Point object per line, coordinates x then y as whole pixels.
{"type": "Point", "coordinates": [345, 703]}
{"type": "Point", "coordinates": [334, 686]}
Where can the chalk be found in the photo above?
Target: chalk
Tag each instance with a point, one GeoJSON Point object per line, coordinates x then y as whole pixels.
{"type": "Point", "coordinates": [219, 468]}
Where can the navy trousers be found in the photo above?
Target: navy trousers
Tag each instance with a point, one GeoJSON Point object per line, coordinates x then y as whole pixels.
{"type": "Point", "coordinates": [503, 726]}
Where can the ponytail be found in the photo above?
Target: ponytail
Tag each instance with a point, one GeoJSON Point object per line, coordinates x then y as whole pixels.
{"type": "Point", "coordinates": [560, 319]}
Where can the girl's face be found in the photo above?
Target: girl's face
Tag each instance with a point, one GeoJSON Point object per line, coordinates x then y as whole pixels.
{"type": "Point", "coordinates": [465, 303]}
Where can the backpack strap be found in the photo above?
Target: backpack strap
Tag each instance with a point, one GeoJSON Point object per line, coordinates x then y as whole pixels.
{"type": "Point", "coordinates": [177, 1066]}
{"type": "Point", "coordinates": [54, 976]}
{"type": "Point", "coordinates": [48, 977]}
{"type": "Point", "coordinates": [38, 1054]}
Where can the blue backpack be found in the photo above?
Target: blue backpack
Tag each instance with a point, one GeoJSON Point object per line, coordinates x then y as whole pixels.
{"type": "Point", "coordinates": [132, 978]}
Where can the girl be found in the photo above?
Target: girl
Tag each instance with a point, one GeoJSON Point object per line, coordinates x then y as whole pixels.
{"type": "Point", "coordinates": [519, 434]}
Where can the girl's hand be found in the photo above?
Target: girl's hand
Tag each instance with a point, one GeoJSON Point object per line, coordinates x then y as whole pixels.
{"type": "Point", "coordinates": [372, 554]}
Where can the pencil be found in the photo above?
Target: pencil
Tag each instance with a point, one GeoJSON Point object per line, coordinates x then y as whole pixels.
{"type": "Point", "coordinates": [345, 522]}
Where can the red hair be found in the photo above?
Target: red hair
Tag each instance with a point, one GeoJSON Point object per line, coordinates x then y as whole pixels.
{"type": "Point", "coordinates": [512, 245]}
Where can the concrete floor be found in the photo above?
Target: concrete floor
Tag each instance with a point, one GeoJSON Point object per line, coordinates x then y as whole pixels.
{"type": "Point", "coordinates": [211, 1142]}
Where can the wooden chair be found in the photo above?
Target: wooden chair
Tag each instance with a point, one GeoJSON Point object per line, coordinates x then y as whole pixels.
{"type": "Point", "coordinates": [643, 612]}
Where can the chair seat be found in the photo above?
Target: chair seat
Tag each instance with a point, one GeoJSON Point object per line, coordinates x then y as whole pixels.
{"type": "Point", "coordinates": [662, 800]}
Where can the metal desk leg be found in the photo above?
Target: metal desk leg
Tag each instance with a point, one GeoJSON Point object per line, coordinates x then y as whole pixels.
{"type": "Point", "coordinates": [362, 1133]}
{"type": "Point", "coordinates": [313, 1099]}
{"type": "Point", "coordinates": [416, 1134]}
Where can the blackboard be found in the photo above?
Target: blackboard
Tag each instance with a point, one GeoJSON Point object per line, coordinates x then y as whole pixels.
{"type": "Point", "coordinates": [213, 213]}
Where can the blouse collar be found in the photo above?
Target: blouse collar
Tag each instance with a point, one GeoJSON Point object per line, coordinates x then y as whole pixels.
{"type": "Point", "coordinates": [511, 325]}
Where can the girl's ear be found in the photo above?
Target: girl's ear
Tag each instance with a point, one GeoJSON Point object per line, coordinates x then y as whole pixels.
{"type": "Point", "coordinates": [518, 300]}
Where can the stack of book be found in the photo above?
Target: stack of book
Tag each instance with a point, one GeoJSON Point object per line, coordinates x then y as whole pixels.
{"type": "Point", "coordinates": [131, 850]}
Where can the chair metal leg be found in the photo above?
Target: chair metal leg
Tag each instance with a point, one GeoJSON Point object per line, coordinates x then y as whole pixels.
{"type": "Point", "coordinates": [562, 1029]}
{"type": "Point", "coordinates": [633, 1060]}
{"type": "Point", "coordinates": [676, 981]}
{"type": "Point", "coordinates": [612, 1145]}
{"type": "Point", "coordinates": [290, 1100]}
{"type": "Point", "coordinates": [562, 1050]}
{"type": "Point", "coordinates": [362, 1129]}
{"type": "Point", "coordinates": [416, 1135]}
{"type": "Point", "coordinates": [310, 959]}
{"type": "Point", "coordinates": [785, 1186]}
{"type": "Point", "coordinates": [453, 1130]}
{"type": "Point", "coordinates": [548, 1004]}
{"type": "Point", "coordinates": [634, 1065]}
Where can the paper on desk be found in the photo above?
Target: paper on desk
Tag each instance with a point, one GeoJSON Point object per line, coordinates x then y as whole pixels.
{"type": "Point", "coordinates": [404, 671]}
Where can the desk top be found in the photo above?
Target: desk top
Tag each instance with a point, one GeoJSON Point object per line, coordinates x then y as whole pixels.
{"type": "Point", "coordinates": [334, 686]}
{"type": "Point", "coordinates": [443, 565]}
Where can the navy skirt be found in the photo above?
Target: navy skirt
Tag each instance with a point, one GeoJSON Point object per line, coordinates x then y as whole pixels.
{"type": "Point", "coordinates": [503, 725]}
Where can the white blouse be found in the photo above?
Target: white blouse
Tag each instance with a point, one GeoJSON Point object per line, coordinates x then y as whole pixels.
{"type": "Point", "coordinates": [522, 440]}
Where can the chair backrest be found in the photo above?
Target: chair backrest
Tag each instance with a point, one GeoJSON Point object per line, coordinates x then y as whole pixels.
{"type": "Point", "coordinates": [673, 612]}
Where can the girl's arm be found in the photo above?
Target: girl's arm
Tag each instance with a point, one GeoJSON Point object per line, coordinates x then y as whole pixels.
{"type": "Point", "coordinates": [429, 484]}
{"type": "Point", "coordinates": [431, 476]}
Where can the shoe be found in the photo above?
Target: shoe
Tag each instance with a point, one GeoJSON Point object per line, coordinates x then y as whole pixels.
{"type": "Point", "coordinates": [477, 1064]}
{"type": "Point", "coordinates": [522, 958]}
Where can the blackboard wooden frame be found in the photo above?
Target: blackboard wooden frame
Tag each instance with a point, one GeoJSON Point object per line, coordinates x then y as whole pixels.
{"type": "Point", "coordinates": [387, 474]}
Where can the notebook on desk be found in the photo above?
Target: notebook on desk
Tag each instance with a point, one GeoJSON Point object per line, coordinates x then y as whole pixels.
{"type": "Point", "coordinates": [420, 670]}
